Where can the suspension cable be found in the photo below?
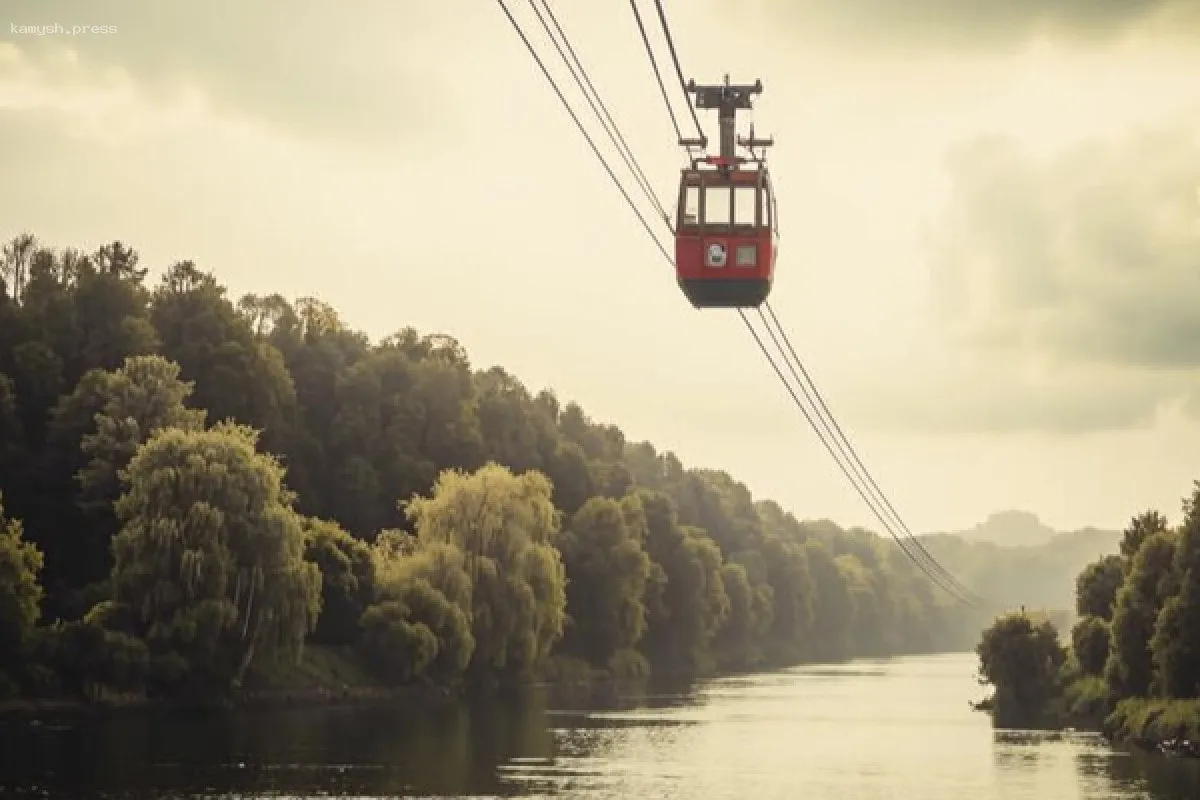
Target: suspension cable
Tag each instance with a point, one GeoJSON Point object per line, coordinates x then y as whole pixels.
{"type": "Point", "coordinates": [583, 130]}
{"type": "Point", "coordinates": [848, 450]}
{"type": "Point", "coordinates": [662, 18]}
{"type": "Point", "coordinates": [637, 15]}
{"type": "Point", "coordinates": [870, 504]}
{"type": "Point", "coordinates": [606, 120]}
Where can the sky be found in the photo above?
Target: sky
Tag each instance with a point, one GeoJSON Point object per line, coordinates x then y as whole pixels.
{"type": "Point", "coordinates": [989, 212]}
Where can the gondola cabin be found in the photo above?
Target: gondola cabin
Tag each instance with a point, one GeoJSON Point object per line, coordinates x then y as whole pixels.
{"type": "Point", "coordinates": [726, 235]}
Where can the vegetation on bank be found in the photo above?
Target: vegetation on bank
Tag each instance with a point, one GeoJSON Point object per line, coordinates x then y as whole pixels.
{"type": "Point", "coordinates": [1132, 667]}
{"type": "Point", "coordinates": [201, 495]}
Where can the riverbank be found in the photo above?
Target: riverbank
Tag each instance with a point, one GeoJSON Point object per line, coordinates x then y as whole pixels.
{"type": "Point", "coordinates": [323, 676]}
{"type": "Point", "coordinates": [1163, 725]}
{"type": "Point", "coordinates": [1168, 726]}
{"type": "Point", "coordinates": [328, 676]}
{"type": "Point", "coordinates": [331, 676]}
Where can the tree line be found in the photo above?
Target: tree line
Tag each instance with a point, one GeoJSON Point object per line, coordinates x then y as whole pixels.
{"type": "Point", "coordinates": [1132, 666]}
{"type": "Point", "coordinates": [194, 488]}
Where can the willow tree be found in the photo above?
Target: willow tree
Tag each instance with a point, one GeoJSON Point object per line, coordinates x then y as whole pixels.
{"type": "Point", "coordinates": [210, 557]}
{"type": "Point", "coordinates": [421, 626]}
{"type": "Point", "coordinates": [505, 524]}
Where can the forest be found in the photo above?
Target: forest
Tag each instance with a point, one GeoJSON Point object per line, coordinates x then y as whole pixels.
{"type": "Point", "coordinates": [200, 494]}
{"type": "Point", "coordinates": [1132, 665]}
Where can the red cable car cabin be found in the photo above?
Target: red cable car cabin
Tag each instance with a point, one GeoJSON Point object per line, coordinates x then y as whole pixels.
{"type": "Point", "coordinates": [726, 236]}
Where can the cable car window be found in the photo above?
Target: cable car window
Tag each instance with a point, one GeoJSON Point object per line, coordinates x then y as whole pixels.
{"type": "Point", "coordinates": [717, 205]}
{"type": "Point", "coordinates": [691, 205]}
{"type": "Point", "coordinates": [745, 205]}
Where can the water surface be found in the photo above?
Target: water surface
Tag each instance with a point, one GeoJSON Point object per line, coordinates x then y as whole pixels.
{"type": "Point", "coordinates": [897, 729]}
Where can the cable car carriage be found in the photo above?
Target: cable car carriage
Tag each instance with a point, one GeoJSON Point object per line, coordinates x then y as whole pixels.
{"type": "Point", "coordinates": [726, 233]}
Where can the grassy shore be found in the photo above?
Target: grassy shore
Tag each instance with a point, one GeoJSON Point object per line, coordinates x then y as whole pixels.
{"type": "Point", "coordinates": [324, 675]}
{"type": "Point", "coordinates": [1160, 724]}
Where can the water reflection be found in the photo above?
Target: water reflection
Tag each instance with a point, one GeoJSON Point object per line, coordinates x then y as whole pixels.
{"type": "Point", "coordinates": [1139, 774]}
{"type": "Point", "coordinates": [364, 751]}
{"type": "Point", "coordinates": [898, 729]}
{"type": "Point", "coordinates": [1020, 757]}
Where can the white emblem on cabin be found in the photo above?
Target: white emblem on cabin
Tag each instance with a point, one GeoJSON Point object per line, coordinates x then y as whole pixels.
{"type": "Point", "coordinates": [716, 254]}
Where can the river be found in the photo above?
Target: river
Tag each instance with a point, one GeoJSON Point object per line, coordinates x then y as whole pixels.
{"type": "Point", "coordinates": [896, 729]}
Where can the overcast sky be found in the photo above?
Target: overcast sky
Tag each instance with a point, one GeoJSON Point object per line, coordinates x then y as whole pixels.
{"type": "Point", "coordinates": [990, 217]}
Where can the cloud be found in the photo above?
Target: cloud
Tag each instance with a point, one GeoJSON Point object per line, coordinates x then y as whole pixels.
{"type": "Point", "coordinates": [1090, 256]}
{"type": "Point", "coordinates": [996, 24]}
{"type": "Point", "coordinates": [60, 94]}
{"type": "Point", "coordinates": [1004, 396]}
{"type": "Point", "coordinates": [366, 72]}
{"type": "Point", "coordinates": [1067, 285]}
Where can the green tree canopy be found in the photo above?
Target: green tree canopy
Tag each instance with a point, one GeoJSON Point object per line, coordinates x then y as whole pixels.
{"type": "Point", "coordinates": [210, 557]}
{"type": "Point", "coordinates": [505, 524]}
{"type": "Point", "coordinates": [20, 593]}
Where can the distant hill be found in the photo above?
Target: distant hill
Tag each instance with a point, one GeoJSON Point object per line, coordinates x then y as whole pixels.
{"type": "Point", "coordinates": [1011, 529]}
{"type": "Point", "coordinates": [1015, 559]}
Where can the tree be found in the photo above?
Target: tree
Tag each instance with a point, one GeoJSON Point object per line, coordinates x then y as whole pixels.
{"type": "Point", "coordinates": [210, 557]}
{"type": "Point", "coordinates": [15, 258]}
{"type": "Point", "coordinates": [399, 648]}
{"type": "Point", "coordinates": [505, 525]}
{"type": "Point", "coordinates": [144, 396]}
{"type": "Point", "coordinates": [1097, 586]}
{"type": "Point", "coordinates": [424, 585]}
{"type": "Point", "coordinates": [20, 593]}
{"type": "Point", "coordinates": [12, 436]}
{"type": "Point", "coordinates": [1090, 641]}
{"type": "Point", "coordinates": [1176, 640]}
{"type": "Point", "coordinates": [792, 585]}
{"type": "Point", "coordinates": [347, 580]}
{"type": "Point", "coordinates": [608, 568]}
{"type": "Point", "coordinates": [740, 638]}
{"type": "Point", "coordinates": [235, 376]}
{"type": "Point", "coordinates": [124, 408]}
{"type": "Point", "coordinates": [687, 600]}
{"type": "Point", "coordinates": [835, 612]}
{"type": "Point", "coordinates": [1140, 528]}
{"type": "Point", "coordinates": [513, 429]}
{"type": "Point", "coordinates": [110, 316]}
{"type": "Point", "coordinates": [1021, 659]}
{"type": "Point", "coordinates": [567, 468]}
{"type": "Point", "coordinates": [1150, 583]}
{"type": "Point", "coordinates": [90, 310]}
{"type": "Point", "coordinates": [37, 374]}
